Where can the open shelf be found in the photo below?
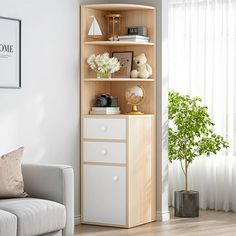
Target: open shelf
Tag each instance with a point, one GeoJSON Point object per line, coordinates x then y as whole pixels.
{"type": "Point", "coordinates": [92, 87]}
{"type": "Point", "coordinates": [118, 43]}
{"type": "Point", "coordinates": [118, 79]}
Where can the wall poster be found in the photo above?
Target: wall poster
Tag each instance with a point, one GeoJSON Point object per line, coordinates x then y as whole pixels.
{"type": "Point", "coordinates": [10, 53]}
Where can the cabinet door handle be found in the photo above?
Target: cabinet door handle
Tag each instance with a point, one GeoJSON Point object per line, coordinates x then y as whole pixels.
{"type": "Point", "coordinates": [103, 128]}
{"type": "Point", "coordinates": [103, 152]}
{"type": "Point", "coordinates": [115, 178]}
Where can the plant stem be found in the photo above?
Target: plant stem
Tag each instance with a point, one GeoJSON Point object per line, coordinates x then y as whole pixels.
{"type": "Point", "coordinates": [186, 175]}
{"type": "Point", "coordinates": [182, 166]}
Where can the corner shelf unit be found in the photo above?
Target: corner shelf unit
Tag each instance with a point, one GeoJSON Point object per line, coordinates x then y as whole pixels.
{"type": "Point", "coordinates": [118, 152]}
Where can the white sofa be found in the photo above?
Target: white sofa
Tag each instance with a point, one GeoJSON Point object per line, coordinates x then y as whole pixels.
{"type": "Point", "coordinates": [49, 211]}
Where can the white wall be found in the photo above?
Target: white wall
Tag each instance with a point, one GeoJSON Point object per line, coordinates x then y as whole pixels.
{"type": "Point", "coordinates": [43, 116]}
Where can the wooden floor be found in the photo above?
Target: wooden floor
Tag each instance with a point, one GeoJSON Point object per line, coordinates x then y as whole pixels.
{"type": "Point", "coordinates": [209, 223]}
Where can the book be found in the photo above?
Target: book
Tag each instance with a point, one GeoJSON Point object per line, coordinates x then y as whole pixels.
{"type": "Point", "coordinates": [133, 38]}
{"type": "Point", "coordinates": [136, 38]}
{"type": "Point", "coordinates": [104, 112]}
{"type": "Point", "coordinates": [105, 109]}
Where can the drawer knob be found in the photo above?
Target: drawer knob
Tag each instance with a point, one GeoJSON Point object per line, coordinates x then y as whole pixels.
{"type": "Point", "coordinates": [103, 152]}
{"type": "Point", "coordinates": [103, 128]}
{"type": "Point", "coordinates": [115, 178]}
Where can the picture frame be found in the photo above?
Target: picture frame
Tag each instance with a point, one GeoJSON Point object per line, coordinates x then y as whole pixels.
{"type": "Point", "coordinates": [10, 52]}
{"type": "Point", "coordinates": [126, 59]}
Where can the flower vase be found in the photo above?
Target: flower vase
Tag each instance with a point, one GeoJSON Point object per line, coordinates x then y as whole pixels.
{"type": "Point", "coordinates": [104, 75]}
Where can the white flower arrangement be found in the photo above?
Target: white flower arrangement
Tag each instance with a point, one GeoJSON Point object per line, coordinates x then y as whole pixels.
{"type": "Point", "coordinates": [103, 64]}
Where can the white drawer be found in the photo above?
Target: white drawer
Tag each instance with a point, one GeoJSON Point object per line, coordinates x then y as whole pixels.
{"type": "Point", "coordinates": [107, 152]}
{"type": "Point", "coordinates": [104, 194]}
{"type": "Point", "coordinates": [104, 128]}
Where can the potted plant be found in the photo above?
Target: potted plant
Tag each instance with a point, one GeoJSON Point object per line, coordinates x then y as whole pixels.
{"type": "Point", "coordinates": [190, 135]}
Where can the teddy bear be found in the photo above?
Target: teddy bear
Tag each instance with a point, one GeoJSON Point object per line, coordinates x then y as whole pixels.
{"type": "Point", "coordinates": [143, 70]}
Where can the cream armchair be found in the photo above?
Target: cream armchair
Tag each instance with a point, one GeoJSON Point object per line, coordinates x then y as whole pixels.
{"type": "Point", "coordinates": [54, 183]}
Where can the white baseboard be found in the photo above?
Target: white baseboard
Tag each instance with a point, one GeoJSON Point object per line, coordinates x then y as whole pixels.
{"type": "Point", "coordinates": [163, 216]}
{"type": "Point", "coordinates": [77, 220]}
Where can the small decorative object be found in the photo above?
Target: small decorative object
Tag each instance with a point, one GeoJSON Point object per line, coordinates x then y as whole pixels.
{"type": "Point", "coordinates": [135, 96]}
{"type": "Point", "coordinates": [103, 65]}
{"type": "Point", "coordinates": [106, 100]}
{"type": "Point", "coordinates": [10, 53]}
{"type": "Point", "coordinates": [143, 70]}
{"type": "Point", "coordinates": [105, 104]}
{"type": "Point", "coordinates": [94, 31]}
{"type": "Point", "coordinates": [137, 30]}
{"type": "Point", "coordinates": [113, 21]}
{"type": "Point", "coordinates": [190, 135]}
{"type": "Point", "coordinates": [125, 59]}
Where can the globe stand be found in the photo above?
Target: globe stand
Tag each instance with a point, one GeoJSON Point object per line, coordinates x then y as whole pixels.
{"type": "Point", "coordinates": [135, 111]}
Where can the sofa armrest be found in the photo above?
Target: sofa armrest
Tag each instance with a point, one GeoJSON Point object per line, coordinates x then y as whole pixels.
{"type": "Point", "coordinates": [52, 182]}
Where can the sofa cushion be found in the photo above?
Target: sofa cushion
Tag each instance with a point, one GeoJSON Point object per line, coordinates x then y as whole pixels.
{"type": "Point", "coordinates": [8, 224]}
{"type": "Point", "coordinates": [11, 179]}
{"type": "Point", "coordinates": [35, 216]}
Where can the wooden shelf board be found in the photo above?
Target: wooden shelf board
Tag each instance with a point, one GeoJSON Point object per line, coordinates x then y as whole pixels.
{"type": "Point", "coordinates": [118, 79]}
{"type": "Point", "coordinates": [118, 43]}
{"type": "Point", "coordinates": [118, 7]}
{"type": "Point", "coordinates": [117, 116]}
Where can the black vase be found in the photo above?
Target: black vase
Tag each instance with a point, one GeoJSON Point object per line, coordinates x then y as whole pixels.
{"type": "Point", "coordinates": [186, 204]}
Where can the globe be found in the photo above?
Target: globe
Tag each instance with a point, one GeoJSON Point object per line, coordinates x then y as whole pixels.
{"type": "Point", "coordinates": [135, 96]}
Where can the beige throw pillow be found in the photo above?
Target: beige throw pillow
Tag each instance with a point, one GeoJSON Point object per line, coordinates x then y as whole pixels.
{"type": "Point", "coordinates": [11, 179]}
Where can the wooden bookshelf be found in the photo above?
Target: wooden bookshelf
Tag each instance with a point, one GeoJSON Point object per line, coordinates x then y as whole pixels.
{"type": "Point", "coordinates": [130, 198]}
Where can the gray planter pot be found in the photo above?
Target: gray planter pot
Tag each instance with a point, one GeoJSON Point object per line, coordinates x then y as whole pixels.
{"type": "Point", "coordinates": [186, 204]}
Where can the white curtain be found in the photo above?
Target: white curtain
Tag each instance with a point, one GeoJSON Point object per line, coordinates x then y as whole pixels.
{"type": "Point", "coordinates": [203, 63]}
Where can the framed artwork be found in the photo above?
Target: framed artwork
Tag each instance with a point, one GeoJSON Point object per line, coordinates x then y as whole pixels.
{"type": "Point", "coordinates": [10, 53]}
{"type": "Point", "coordinates": [125, 58]}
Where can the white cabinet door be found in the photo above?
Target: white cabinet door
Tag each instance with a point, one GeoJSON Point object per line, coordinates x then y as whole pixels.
{"type": "Point", "coordinates": [104, 128]}
{"type": "Point", "coordinates": [104, 194]}
{"type": "Point", "coordinates": [107, 152]}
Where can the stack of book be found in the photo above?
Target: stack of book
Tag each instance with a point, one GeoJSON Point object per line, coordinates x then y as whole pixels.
{"type": "Point", "coordinates": [105, 111]}
{"type": "Point", "coordinates": [134, 38]}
